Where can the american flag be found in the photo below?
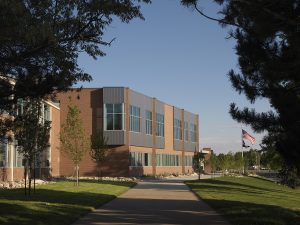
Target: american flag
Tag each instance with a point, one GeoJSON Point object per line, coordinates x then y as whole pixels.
{"type": "Point", "coordinates": [248, 137]}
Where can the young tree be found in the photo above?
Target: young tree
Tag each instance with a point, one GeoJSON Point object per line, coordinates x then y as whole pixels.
{"type": "Point", "coordinates": [99, 150]}
{"type": "Point", "coordinates": [198, 163]}
{"type": "Point", "coordinates": [268, 46]}
{"type": "Point", "coordinates": [40, 42]}
{"type": "Point", "coordinates": [238, 161]}
{"type": "Point", "coordinates": [73, 138]}
{"type": "Point", "coordinates": [32, 134]}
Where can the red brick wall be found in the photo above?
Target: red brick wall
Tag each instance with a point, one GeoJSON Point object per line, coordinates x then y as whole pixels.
{"type": "Point", "coordinates": [55, 143]}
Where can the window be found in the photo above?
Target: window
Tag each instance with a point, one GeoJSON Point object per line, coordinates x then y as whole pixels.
{"type": "Point", "coordinates": [3, 152]}
{"type": "Point", "coordinates": [20, 106]}
{"type": "Point", "coordinates": [160, 125]}
{"type": "Point", "coordinates": [186, 131]}
{"type": "Point", "coordinates": [46, 113]}
{"type": "Point", "coordinates": [158, 160]}
{"type": "Point", "coordinates": [148, 122]}
{"type": "Point", "coordinates": [168, 160]}
{"type": "Point", "coordinates": [114, 116]}
{"type": "Point", "coordinates": [135, 118]}
{"type": "Point", "coordinates": [18, 157]}
{"type": "Point", "coordinates": [188, 160]}
{"type": "Point", "coordinates": [177, 129]}
{"type": "Point", "coordinates": [193, 132]}
{"type": "Point", "coordinates": [140, 159]}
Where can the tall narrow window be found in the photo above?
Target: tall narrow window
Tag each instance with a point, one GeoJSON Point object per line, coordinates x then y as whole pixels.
{"type": "Point", "coordinates": [20, 106]}
{"type": "Point", "coordinates": [148, 122]}
{"type": "Point", "coordinates": [114, 116]}
{"type": "Point", "coordinates": [18, 157]}
{"type": "Point", "coordinates": [46, 113]}
{"type": "Point", "coordinates": [186, 131]}
{"type": "Point", "coordinates": [177, 129]}
{"type": "Point", "coordinates": [135, 118]}
{"type": "Point", "coordinates": [3, 152]}
{"type": "Point", "coordinates": [160, 125]}
{"type": "Point", "coordinates": [193, 132]}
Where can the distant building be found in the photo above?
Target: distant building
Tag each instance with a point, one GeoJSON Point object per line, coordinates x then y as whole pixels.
{"type": "Point", "coordinates": [207, 166]}
{"type": "Point", "coordinates": [145, 135]}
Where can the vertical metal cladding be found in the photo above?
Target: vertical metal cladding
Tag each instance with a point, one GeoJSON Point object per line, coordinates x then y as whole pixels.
{"type": "Point", "coordinates": [144, 103]}
{"type": "Point", "coordinates": [178, 115]}
{"type": "Point", "coordinates": [191, 119]}
{"type": "Point", "coordinates": [160, 108]}
{"type": "Point", "coordinates": [114, 95]}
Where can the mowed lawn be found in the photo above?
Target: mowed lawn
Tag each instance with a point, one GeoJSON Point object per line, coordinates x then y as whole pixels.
{"type": "Point", "coordinates": [58, 203]}
{"type": "Point", "coordinates": [250, 201]}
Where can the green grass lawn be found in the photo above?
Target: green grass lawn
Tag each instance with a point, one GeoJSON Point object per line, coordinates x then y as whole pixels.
{"type": "Point", "coordinates": [250, 201]}
{"type": "Point", "coordinates": [58, 203]}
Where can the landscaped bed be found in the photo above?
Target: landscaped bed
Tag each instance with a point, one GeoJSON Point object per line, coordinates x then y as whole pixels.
{"type": "Point", "coordinates": [250, 201]}
{"type": "Point", "coordinates": [58, 203]}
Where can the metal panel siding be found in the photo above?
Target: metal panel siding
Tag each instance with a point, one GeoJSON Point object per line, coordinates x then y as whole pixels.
{"type": "Point", "coordinates": [160, 142]}
{"type": "Point", "coordinates": [188, 145]}
{"type": "Point", "coordinates": [177, 144]}
{"type": "Point", "coordinates": [115, 137]}
{"type": "Point", "coordinates": [191, 146]}
{"type": "Point", "coordinates": [144, 103]}
{"type": "Point", "coordinates": [177, 113]}
{"type": "Point", "coordinates": [113, 94]}
{"type": "Point", "coordinates": [160, 108]}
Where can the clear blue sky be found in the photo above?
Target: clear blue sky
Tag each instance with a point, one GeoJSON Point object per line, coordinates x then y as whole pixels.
{"type": "Point", "coordinates": [180, 58]}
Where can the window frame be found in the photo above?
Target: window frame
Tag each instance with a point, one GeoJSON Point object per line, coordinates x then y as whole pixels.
{"type": "Point", "coordinates": [113, 113]}
{"type": "Point", "coordinates": [135, 119]}
{"type": "Point", "coordinates": [160, 125]}
{"type": "Point", "coordinates": [148, 122]}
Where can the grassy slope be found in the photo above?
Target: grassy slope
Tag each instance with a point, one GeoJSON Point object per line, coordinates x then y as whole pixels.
{"type": "Point", "coordinates": [59, 203]}
{"type": "Point", "coordinates": [250, 201]}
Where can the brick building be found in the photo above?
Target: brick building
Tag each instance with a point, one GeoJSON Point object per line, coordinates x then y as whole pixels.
{"type": "Point", "coordinates": [11, 161]}
{"type": "Point", "coordinates": [145, 135]}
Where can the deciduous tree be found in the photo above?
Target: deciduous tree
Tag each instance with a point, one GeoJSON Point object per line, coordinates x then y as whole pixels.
{"type": "Point", "coordinates": [40, 42]}
{"type": "Point", "coordinates": [73, 138]}
{"type": "Point", "coordinates": [32, 133]}
{"type": "Point", "coordinates": [99, 150]}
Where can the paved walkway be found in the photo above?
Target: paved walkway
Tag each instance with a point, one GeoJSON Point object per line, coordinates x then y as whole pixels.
{"type": "Point", "coordinates": [155, 202]}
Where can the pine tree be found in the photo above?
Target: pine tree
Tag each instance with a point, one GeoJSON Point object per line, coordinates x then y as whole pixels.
{"type": "Point", "coordinates": [73, 138]}
{"type": "Point", "coordinates": [267, 35]}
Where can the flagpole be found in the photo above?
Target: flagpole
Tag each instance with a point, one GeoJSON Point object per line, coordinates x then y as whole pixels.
{"type": "Point", "coordinates": [242, 150]}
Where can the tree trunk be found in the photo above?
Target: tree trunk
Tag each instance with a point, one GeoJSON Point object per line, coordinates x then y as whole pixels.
{"type": "Point", "coordinates": [29, 179]}
{"type": "Point", "coordinates": [34, 158]}
{"type": "Point", "coordinates": [25, 179]}
{"type": "Point", "coordinates": [77, 175]}
{"type": "Point", "coordinates": [100, 172]}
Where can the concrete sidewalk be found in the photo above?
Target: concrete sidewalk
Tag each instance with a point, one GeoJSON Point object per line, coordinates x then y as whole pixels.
{"type": "Point", "coordinates": [155, 202]}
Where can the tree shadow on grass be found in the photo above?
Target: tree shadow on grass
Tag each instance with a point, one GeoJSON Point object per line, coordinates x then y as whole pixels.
{"type": "Point", "coordinates": [59, 197]}
{"type": "Point", "coordinates": [40, 213]}
{"type": "Point", "coordinates": [50, 206]}
{"type": "Point", "coordinates": [228, 183]}
{"type": "Point", "coordinates": [223, 184]}
{"type": "Point", "coordinates": [254, 214]}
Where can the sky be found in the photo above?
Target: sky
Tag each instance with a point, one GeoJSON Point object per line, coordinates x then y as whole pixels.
{"type": "Point", "coordinates": [180, 58]}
